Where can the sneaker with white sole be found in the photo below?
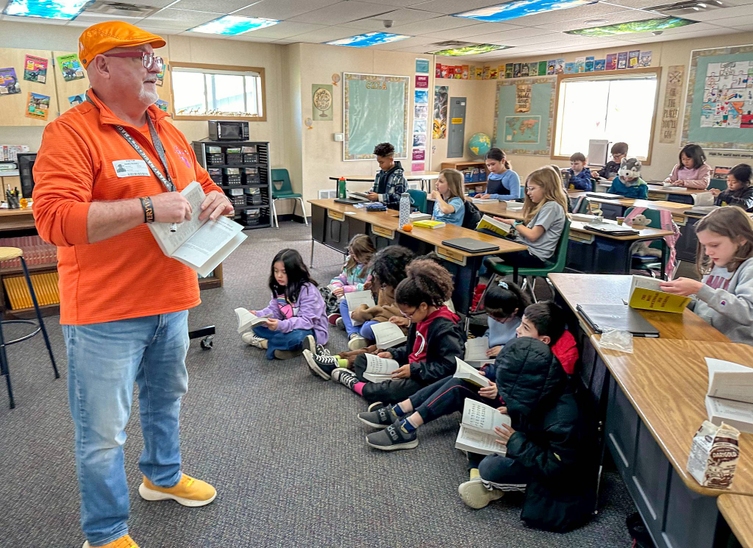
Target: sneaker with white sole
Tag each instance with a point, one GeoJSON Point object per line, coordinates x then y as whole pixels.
{"type": "Point", "coordinates": [339, 323]}
{"type": "Point", "coordinates": [332, 318]}
{"type": "Point", "coordinates": [357, 342]}
{"type": "Point", "coordinates": [123, 542]}
{"type": "Point", "coordinates": [321, 351]}
{"type": "Point", "coordinates": [374, 406]}
{"type": "Point", "coordinates": [287, 354]}
{"type": "Point", "coordinates": [322, 366]}
{"type": "Point", "coordinates": [392, 438]}
{"type": "Point", "coordinates": [188, 491]}
{"type": "Point", "coordinates": [379, 418]}
{"type": "Point", "coordinates": [476, 495]}
{"type": "Point", "coordinates": [309, 343]}
{"type": "Point", "coordinates": [346, 377]}
{"type": "Point", "coordinates": [250, 338]}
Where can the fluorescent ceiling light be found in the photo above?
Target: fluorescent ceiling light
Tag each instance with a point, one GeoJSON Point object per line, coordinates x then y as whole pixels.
{"type": "Point", "coordinates": [233, 25]}
{"type": "Point", "coordinates": [647, 25]}
{"type": "Point", "coordinates": [475, 49]}
{"type": "Point", "coordinates": [369, 39]}
{"type": "Point", "coordinates": [521, 8]}
{"type": "Point", "coordinates": [48, 9]}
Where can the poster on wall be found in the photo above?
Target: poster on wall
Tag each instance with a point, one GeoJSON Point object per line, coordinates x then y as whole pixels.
{"type": "Point", "coordinates": [8, 81]}
{"type": "Point", "coordinates": [727, 95]}
{"type": "Point", "coordinates": [321, 100]}
{"type": "Point", "coordinates": [422, 82]}
{"type": "Point", "coordinates": [75, 100]}
{"type": "Point", "coordinates": [161, 77]}
{"type": "Point", "coordinates": [35, 69]}
{"type": "Point", "coordinates": [162, 105]}
{"type": "Point", "coordinates": [422, 66]}
{"type": "Point", "coordinates": [70, 67]}
{"type": "Point", "coordinates": [417, 167]}
{"type": "Point", "coordinates": [528, 133]}
{"type": "Point", "coordinates": [523, 98]}
{"type": "Point", "coordinates": [439, 127]}
{"type": "Point", "coordinates": [37, 106]}
{"type": "Point", "coordinates": [671, 111]}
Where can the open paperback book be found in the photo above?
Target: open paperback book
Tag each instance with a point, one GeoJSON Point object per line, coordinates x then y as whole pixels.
{"type": "Point", "coordinates": [475, 352]}
{"type": "Point", "coordinates": [247, 320]}
{"type": "Point", "coordinates": [388, 334]}
{"type": "Point", "coordinates": [477, 433]}
{"type": "Point", "coordinates": [646, 294]}
{"type": "Point", "coordinates": [379, 369]}
{"type": "Point", "coordinates": [468, 373]}
{"type": "Point", "coordinates": [729, 398]}
{"type": "Point", "coordinates": [357, 298]}
{"type": "Point", "coordinates": [500, 228]}
{"type": "Point", "coordinates": [201, 245]}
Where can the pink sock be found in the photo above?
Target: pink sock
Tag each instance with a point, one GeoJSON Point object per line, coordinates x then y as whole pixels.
{"type": "Point", "coordinates": [358, 388]}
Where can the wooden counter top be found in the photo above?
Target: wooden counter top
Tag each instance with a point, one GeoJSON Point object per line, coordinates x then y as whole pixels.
{"type": "Point", "coordinates": [666, 381]}
{"type": "Point", "coordinates": [738, 511]}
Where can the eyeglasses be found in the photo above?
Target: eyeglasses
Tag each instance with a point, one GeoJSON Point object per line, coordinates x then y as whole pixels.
{"type": "Point", "coordinates": [409, 315]}
{"type": "Point", "coordinates": [149, 60]}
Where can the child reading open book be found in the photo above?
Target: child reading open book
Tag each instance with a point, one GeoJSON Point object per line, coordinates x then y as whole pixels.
{"type": "Point", "coordinates": [478, 429]}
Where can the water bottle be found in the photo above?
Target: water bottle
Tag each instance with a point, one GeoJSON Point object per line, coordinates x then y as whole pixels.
{"type": "Point", "coordinates": [404, 209]}
{"type": "Point", "coordinates": [342, 192]}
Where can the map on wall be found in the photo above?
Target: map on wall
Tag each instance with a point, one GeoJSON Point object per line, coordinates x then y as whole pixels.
{"type": "Point", "coordinates": [728, 95]}
{"type": "Point", "coordinates": [522, 129]}
{"type": "Point", "coordinates": [719, 103]}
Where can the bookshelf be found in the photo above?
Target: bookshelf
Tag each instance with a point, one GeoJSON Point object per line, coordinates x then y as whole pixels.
{"type": "Point", "coordinates": [477, 186]}
{"type": "Point", "coordinates": [242, 169]}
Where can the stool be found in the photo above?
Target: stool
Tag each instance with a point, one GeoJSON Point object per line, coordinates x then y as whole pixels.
{"type": "Point", "coordinates": [7, 254]}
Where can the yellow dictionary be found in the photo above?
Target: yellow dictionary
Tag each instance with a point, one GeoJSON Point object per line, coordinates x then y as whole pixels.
{"type": "Point", "coordinates": [500, 228]}
{"type": "Point", "coordinates": [429, 224]}
{"type": "Point", "coordinates": [646, 294]}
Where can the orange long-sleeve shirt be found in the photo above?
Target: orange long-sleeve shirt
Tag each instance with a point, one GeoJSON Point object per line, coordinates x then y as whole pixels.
{"type": "Point", "coordinates": [126, 276]}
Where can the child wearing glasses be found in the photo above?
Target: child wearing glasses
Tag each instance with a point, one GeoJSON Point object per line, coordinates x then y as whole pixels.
{"type": "Point", "coordinates": [435, 338]}
{"type": "Point", "coordinates": [609, 171]}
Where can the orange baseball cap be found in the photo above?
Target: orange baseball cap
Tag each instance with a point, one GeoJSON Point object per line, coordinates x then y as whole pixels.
{"type": "Point", "coordinates": [109, 35]}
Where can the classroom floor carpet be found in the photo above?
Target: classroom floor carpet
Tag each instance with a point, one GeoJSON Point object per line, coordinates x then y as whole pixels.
{"type": "Point", "coordinates": [283, 448]}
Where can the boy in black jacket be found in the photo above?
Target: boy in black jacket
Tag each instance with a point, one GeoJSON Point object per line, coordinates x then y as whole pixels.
{"type": "Point", "coordinates": [551, 454]}
{"type": "Point", "coordinates": [435, 338]}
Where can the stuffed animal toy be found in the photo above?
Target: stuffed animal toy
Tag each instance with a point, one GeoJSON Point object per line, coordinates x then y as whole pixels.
{"type": "Point", "coordinates": [628, 182]}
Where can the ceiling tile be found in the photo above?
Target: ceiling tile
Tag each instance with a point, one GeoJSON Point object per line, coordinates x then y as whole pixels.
{"type": "Point", "coordinates": [326, 34]}
{"type": "Point", "coordinates": [342, 12]}
{"type": "Point", "coordinates": [453, 6]}
{"type": "Point", "coordinates": [735, 22]}
{"type": "Point", "coordinates": [612, 19]}
{"type": "Point", "coordinates": [225, 6]}
{"type": "Point", "coordinates": [398, 18]}
{"type": "Point", "coordinates": [285, 29]}
{"type": "Point", "coordinates": [284, 9]}
{"type": "Point", "coordinates": [581, 14]}
{"type": "Point", "coordinates": [519, 35]}
{"type": "Point", "coordinates": [723, 13]}
{"type": "Point", "coordinates": [637, 4]}
{"type": "Point", "coordinates": [435, 25]}
{"type": "Point", "coordinates": [89, 19]}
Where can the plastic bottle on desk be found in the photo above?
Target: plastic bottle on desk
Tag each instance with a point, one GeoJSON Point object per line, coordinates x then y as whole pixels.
{"type": "Point", "coordinates": [404, 218]}
{"type": "Point", "coordinates": [342, 191]}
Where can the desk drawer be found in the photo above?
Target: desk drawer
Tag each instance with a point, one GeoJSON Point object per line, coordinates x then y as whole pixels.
{"type": "Point", "coordinates": [651, 478]}
{"type": "Point", "coordinates": [692, 519]}
{"type": "Point", "coordinates": [622, 429]}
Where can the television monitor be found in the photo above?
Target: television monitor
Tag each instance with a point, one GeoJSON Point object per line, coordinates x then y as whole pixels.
{"type": "Point", "coordinates": [25, 166]}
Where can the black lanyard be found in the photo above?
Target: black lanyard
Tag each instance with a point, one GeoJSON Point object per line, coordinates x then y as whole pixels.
{"type": "Point", "coordinates": [165, 179]}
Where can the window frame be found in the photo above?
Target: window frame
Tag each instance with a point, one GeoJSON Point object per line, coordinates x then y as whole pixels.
{"type": "Point", "coordinates": [608, 75]}
{"type": "Point", "coordinates": [229, 68]}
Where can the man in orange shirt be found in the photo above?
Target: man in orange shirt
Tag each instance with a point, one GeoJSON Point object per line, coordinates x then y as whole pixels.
{"type": "Point", "coordinates": [105, 169]}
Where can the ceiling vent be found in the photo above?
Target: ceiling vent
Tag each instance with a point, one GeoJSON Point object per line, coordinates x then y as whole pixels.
{"type": "Point", "coordinates": [688, 7]}
{"type": "Point", "coordinates": [121, 9]}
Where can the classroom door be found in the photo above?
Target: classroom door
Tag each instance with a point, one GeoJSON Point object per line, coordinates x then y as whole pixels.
{"type": "Point", "coordinates": [456, 135]}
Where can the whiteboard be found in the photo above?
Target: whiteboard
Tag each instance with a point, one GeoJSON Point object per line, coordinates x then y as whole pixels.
{"type": "Point", "coordinates": [375, 110]}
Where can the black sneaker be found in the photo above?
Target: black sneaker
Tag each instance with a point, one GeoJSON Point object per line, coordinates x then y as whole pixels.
{"type": "Point", "coordinates": [392, 438]}
{"type": "Point", "coordinates": [320, 350]}
{"type": "Point", "coordinates": [309, 343]}
{"type": "Point", "coordinates": [381, 418]}
{"type": "Point", "coordinates": [376, 405]}
{"type": "Point", "coordinates": [320, 365]}
{"type": "Point", "coordinates": [346, 377]}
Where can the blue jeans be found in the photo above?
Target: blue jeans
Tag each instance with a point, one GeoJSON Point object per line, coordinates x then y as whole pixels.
{"type": "Point", "coordinates": [277, 340]}
{"type": "Point", "coordinates": [104, 360]}
{"type": "Point", "coordinates": [366, 331]}
{"type": "Point", "coordinates": [345, 314]}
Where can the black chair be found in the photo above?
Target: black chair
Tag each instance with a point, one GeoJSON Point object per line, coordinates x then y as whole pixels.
{"type": "Point", "coordinates": [7, 254]}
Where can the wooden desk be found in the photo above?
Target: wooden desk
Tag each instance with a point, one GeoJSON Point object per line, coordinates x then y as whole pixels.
{"type": "Point", "coordinates": [657, 191]}
{"type": "Point", "coordinates": [738, 511]}
{"type": "Point", "coordinates": [333, 224]}
{"type": "Point", "coordinates": [655, 405]}
{"type": "Point", "coordinates": [590, 251]}
{"type": "Point", "coordinates": [575, 289]}
{"type": "Point", "coordinates": [613, 208]}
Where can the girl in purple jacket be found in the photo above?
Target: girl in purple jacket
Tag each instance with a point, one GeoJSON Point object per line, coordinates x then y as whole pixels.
{"type": "Point", "coordinates": [296, 317]}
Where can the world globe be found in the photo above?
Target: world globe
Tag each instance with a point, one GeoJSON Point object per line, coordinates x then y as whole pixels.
{"type": "Point", "coordinates": [479, 144]}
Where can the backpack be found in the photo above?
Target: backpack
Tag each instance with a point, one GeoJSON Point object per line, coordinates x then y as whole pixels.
{"type": "Point", "coordinates": [472, 215]}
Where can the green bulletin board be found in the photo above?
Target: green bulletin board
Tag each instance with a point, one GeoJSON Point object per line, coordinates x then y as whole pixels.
{"type": "Point", "coordinates": [376, 110]}
{"type": "Point", "coordinates": [523, 115]}
{"type": "Point", "coordinates": [719, 106]}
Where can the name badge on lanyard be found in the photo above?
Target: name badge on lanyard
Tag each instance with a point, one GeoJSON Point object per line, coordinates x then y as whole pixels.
{"type": "Point", "coordinates": [131, 168]}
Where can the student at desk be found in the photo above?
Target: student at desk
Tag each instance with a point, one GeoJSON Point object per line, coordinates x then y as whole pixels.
{"type": "Point", "coordinates": [389, 183]}
{"type": "Point", "coordinates": [739, 190]}
{"type": "Point", "coordinates": [628, 182]}
{"type": "Point", "coordinates": [580, 175]}
{"type": "Point", "coordinates": [449, 198]}
{"type": "Point", "coordinates": [619, 152]}
{"type": "Point", "coordinates": [692, 171]}
{"type": "Point", "coordinates": [724, 297]}
{"type": "Point", "coordinates": [503, 183]}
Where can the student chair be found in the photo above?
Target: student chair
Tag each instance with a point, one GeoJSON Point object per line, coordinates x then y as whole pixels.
{"type": "Point", "coordinates": [720, 184]}
{"type": "Point", "coordinates": [8, 254]}
{"type": "Point", "coordinates": [418, 199]}
{"type": "Point", "coordinates": [581, 205]}
{"type": "Point", "coordinates": [501, 269]}
{"type": "Point", "coordinates": [282, 189]}
{"type": "Point", "coordinates": [648, 263]}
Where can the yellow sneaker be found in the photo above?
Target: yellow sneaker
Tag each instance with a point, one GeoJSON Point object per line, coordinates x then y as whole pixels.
{"type": "Point", "coordinates": [123, 542]}
{"type": "Point", "coordinates": [188, 492]}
